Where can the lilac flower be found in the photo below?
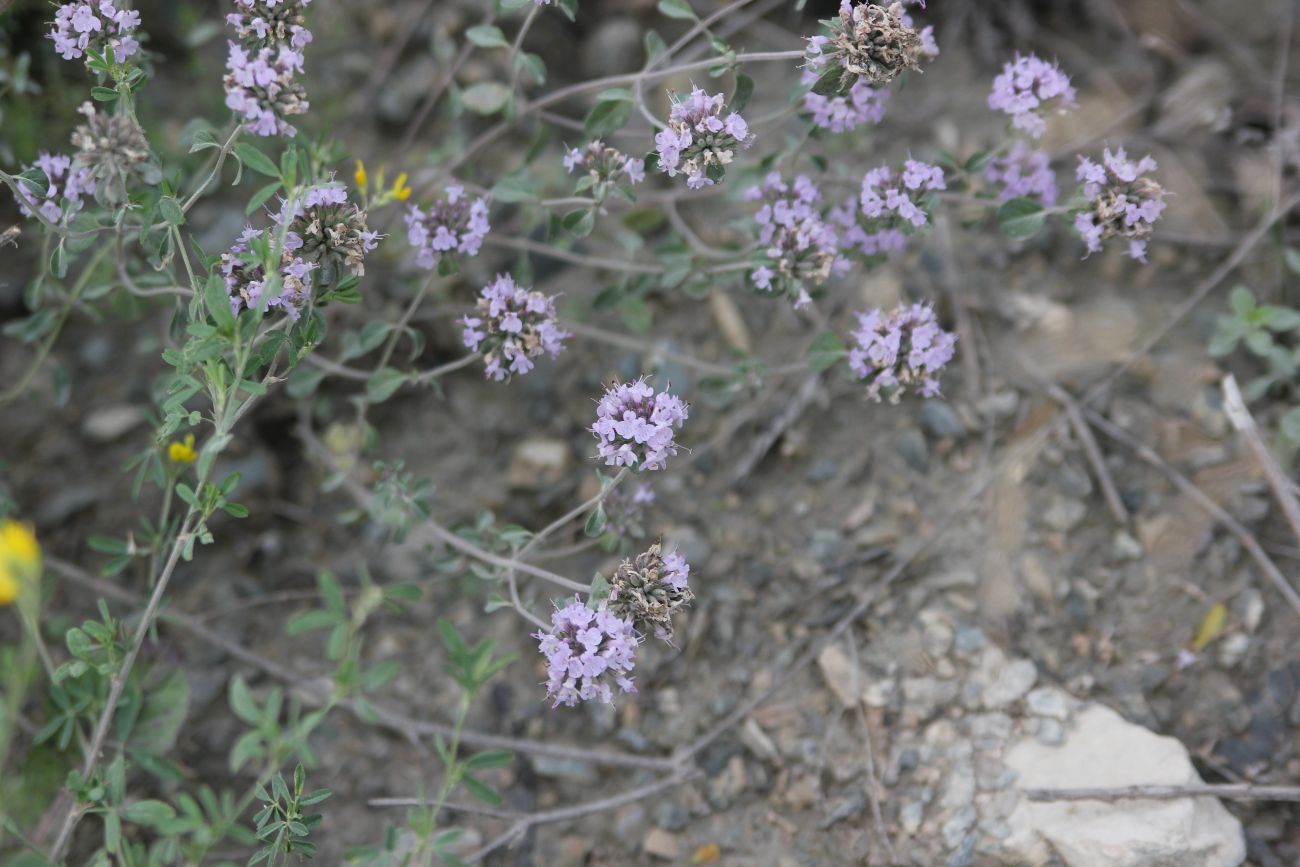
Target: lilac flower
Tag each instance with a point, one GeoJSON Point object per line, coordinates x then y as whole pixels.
{"type": "Point", "coordinates": [649, 589]}
{"type": "Point", "coordinates": [798, 245]}
{"type": "Point", "coordinates": [900, 350]}
{"type": "Point", "coordinates": [95, 27]}
{"type": "Point", "coordinates": [586, 651]}
{"type": "Point", "coordinates": [261, 86]}
{"type": "Point", "coordinates": [268, 23]}
{"type": "Point", "coordinates": [511, 326]}
{"type": "Point", "coordinates": [322, 226]}
{"type": "Point", "coordinates": [863, 104]}
{"type": "Point", "coordinates": [246, 277]}
{"type": "Point", "coordinates": [67, 184]}
{"type": "Point", "coordinates": [890, 206]}
{"type": "Point", "coordinates": [1121, 201]}
{"type": "Point", "coordinates": [873, 239]}
{"type": "Point", "coordinates": [604, 168]}
{"type": "Point", "coordinates": [625, 508]}
{"type": "Point", "coordinates": [700, 141]}
{"type": "Point", "coordinates": [635, 425]}
{"type": "Point", "coordinates": [1022, 172]}
{"type": "Point", "coordinates": [868, 43]}
{"type": "Point", "coordinates": [451, 225]}
{"type": "Point", "coordinates": [1026, 88]}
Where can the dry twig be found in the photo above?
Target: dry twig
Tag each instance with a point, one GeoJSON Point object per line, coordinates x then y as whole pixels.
{"type": "Point", "coordinates": [1242, 420]}
{"type": "Point", "coordinates": [1230, 791]}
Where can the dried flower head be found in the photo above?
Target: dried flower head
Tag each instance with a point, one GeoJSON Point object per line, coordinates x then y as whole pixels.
{"type": "Point", "coordinates": [68, 188]}
{"type": "Point", "coordinates": [1122, 201]}
{"type": "Point", "coordinates": [604, 168]}
{"type": "Point", "coordinates": [586, 651]}
{"type": "Point", "coordinates": [867, 43]}
{"type": "Point", "coordinates": [113, 147]}
{"type": "Point", "coordinates": [246, 278]}
{"type": "Point", "coordinates": [636, 425]}
{"type": "Point", "coordinates": [1026, 89]}
{"type": "Point", "coordinates": [511, 326]}
{"type": "Point", "coordinates": [265, 23]}
{"type": "Point", "coordinates": [261, 86]}
{"type": "Point", "coordinates": [649, 589]}
{"type": "Point", "coordinates": [900, 350]}
{"type": "Point", "coordinates": [699, 141]}
{"type": "Point", "coordinates": [453, 224]}
{"type": "Point", "coordinates": [96, 27]}
{"type": "Point", "coordinates": [20, 559]}
{"type": "Point", "coordinates": [799, 247]}
{"type": "Point", "coordinates": [327, 229]}
{"type": "Point", "coordinates": [1022, 172]}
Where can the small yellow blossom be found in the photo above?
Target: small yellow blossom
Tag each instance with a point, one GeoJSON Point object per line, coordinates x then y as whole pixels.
{"type": "Point", "coordinates": [182, 452]}
{"type": "Point", "coordinates": [401, 191]}
{"type": "Point", "coordinates": [360, 175]}
{"type": "Point", "coordinates": [20, 557]}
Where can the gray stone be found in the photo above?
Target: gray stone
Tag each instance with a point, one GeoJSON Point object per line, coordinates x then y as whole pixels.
{"type": "Point", "coordinates": [969, 640]}
{"type": "Point", "coordinates": [1064, 513]}
{"type": "Point", "coordinates": [911, 816]}
{"type": "Point", "coordinates": [941, 420]}
{"type": "Point", "coordinates": [826, 546]}
{"type": "Point", "coordinates": [1050, 732]}
{"type": "Point", "coordinates": [727, 786]}
{"type": "Point", "coordinates": [956, 827]}
{"type": "Point", "coordinates": [912, 446]}
{"type": "Point", "coordinates": [1013, 681]}
{"type": "Point", "coordinates": [1048, 701]}
{"type": "Point", "coordinates": [990, 731]}
{"type": "Point", "coordinates": [566, 769]}
{"type": "Point", "coordinates": [671, 816]}
{"type": "Point", "coordinates": [108, 423]}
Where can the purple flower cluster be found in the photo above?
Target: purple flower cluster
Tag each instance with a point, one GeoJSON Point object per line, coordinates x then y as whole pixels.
{"type": "Point", "coordinates": [262, 68]}
{"type": "Point", "coordinates": [322, 226]}
{"type": "Point", "coordinates": [1122, 201]}
{"type": "Point", "coordinates": [246, 277]}
{"type": "Point", "coordinates": [799, 246]}
{"type": "Point", "coordinates": [67, 183]}
{"type": "Point", "coordinates": [625, 508]}
{"type": "Point", "coordinates": [635, 425]}
{"type": "Point", "coordinates": [890, 206]}
{"type": "Point", "coordinates": [95, 27]}
{"type": "Point", "coordinates": [602, 167]}
{"type": "Point", "coordinates": [649, 589]}
{"type": "Point", "coordinates": [699, 141]}
{"type": "Point", "coordinates": [1022, 172]}
{"type": "Point", "coordinates": [898, 350]}
{"type": "Point", "coordinates": [454, 224]}
{"type": "Point", "coordinates": [586, 651]}
{"type": "Point", "coordinates": [1025, 89]}
{"type": "Point", "coordinates": [863, 104]}
{"type": "Point", "coordinates": [511, 326]}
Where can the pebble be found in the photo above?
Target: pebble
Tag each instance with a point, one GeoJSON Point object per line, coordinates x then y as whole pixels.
{"type": "Point", "coordinates": [941, 420]}
{"type": "Point", "coordinates": [1073, 480]}
{"type": "Point", "coordinates": [661, 844]}
{"type": "Point", "coordinates": [926, 695]}
{"type": "Point", "coordinates": [802, 793]}
{"type": "Point", "coordinates": [1248, 607]}
{"type": "Point", "coordinates": [989, 731]}
{"type": "Point", "coordinates": [911, 816]}
{"type": "Point", "coordinates": [1232, 649]}
{"type": "Point", "coordinates": [1049, 702]}
{"type": "Point", "coordinates": [822, 470]}
{"type": "Point", "coordinates": [727, 786]}
{"type": "Point", "coordinates": [912, 446]}
{"type": "Point", "coordinates": [568, 769]}
{"type": "Point", "coordinates": [1016, 679]}
{"type": "Point", "coordinates": [837, 671]}
{"type": "Point", "coordinates": [955, 828]}
{"type": "Point", "coordinates": [671, 816]}
{"type": "Point", "coordinates": [969, 640]}
{"type": "Point", "coordinates": [108, 423]}
{"type": "Point", "coordinates": [538, 461]}
{"type": "Point", "coordinates": [959, 786]}
{"type": "Point", "coordinates": [1050, 732]}
{"type": "Point", "coordinates": [999, 404]}
{"type": "Point", "coordinates": [1125, 547]}
{"type": "Point", "coordinates": [1064, 514]}
{"type": "Point", "coordinates": [826, 546]}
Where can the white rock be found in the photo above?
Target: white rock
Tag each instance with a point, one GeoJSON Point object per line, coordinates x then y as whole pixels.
{"type": "Point", "coordinates": [1102, 749]}
{"type": "Point", "coordinates": [1050, 702]}
{"type": "Point", "coordinates": [1012, 682]}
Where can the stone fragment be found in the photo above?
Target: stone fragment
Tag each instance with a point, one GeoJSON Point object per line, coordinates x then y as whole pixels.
{"type": "Point", "coordinates": [1013, 681]}
{"type": "Point", "coordinates": [661, 844]}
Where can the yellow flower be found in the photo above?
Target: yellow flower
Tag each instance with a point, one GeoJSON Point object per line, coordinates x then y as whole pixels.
{"type": "Point", "coordinates": [182, 452]}
{"type": "Point", "coordinates": [20, 557]}
{"type": "Point", "coordinates": [360, 175]}
{"type": "Point", "coordinates": [401, 191]}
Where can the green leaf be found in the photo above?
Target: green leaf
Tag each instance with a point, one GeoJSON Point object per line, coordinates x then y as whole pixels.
{"type": "Point", "coordinates": [35, 180]}
{"type": "Point", "coordinates": [331, 593]}
{"type": "Point", "coordinates": [481, 790]}
{"type": "Point", "coordinates": [1282, 318]}
{"type": "Point", "coordinates": [487, 36]}
{"type": "Point", "coordinates": [261, 196]}
{"type": "Point", "coordinates": [1242, 301]}
{"type": "Point", "coordinates": [384, 384]}
{"type": "Point", "coordinates": [241, 701]}
{"type": "Point", "coordinates": [654, 46]}
{"type": "Point", "coordinates": [830, 82]}
{"type": "Point", "coordinates": [677, 9]}
{"type": "Point", "coordinates": [108, 544]}
{"type": "Point", "coordinates": [32, 328]}
{"type": "Point", "coordinates": [514, 188]}
{"type": "Point", "coordinates": [216, 297]}
{"type": "Point", "coordinates": [104, 94]}
{"type": "Point", "coordinates": [380, 674]}
{"type": "Point", "coordinates": [59, 261]}
{"type": "Point", "coordinates": [744, 90]}
{"type": "Point", "coordinates": [256, 160]}
{"type": "Point", "coordinates": [171, 211]}
{"type": "Point", "coordinates": [526, 61]}
{"type": "Point", "coordinates": [1289, 425]}
{"type": "Point", "coordinates": [580, 223]}
{"type": "Point", "coordinates": [1292, 258]}
{"type": "Point", "coordinates": [486, 97]}
{"type": "Point", "coordinates": [489, 759]}
{"type": "Point", "coordinates": [310, 620]}
{"type": "Point", "coordinates": [606, 117]}
{"type": "Point", "coordinates": [595, 522]}
{"type": "Point", "coordinates": [826, 351]}
{"type": "Point", "coordinates": [636, 314]}
{"type": "Point", "coordinates": [1021, 218]}
{"type": "Point", "coordinates": [165, 707]}
{"type": "Point", "coordinates": [151, 813]}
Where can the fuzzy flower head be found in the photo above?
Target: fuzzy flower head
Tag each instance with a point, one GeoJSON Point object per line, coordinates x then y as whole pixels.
{"type": "Point", "coordinates": [635, 425]}
{"type": "Point", "coordinates": [701, 141]}
{"type": "Point", "coordinates": [587, 653]}
{"type": "Point", "coordinates": [453, 225]}
{"type": "Point", "coordinates": [20, 559]}
{"type": "Point", "coordinates": [649, 589]}
{"type": "Point", "coordinates": [867, 43]}
{"type": "Point", "coordinates": [900, 350]}
{"type": "Point", "coordinates": [262, 87]}
{"type": "Point", "coordinates": [1022, 172]}
{"type": "Point", "coordinates": [246, 278]}
{"type": "Point", "coordinates": [97, 27]}
{"type": "Point", "coordinates": [1122, 201]}
{"type": "Point", "coordinates": [625, 508]}
{"type": "Point", "coordinates": [511, 326]}
{"type": "Point", "coordinates": [1027, 88]}
{"type": "Point", "coordinates": [604, 168]}
{"type": "Point", "coordinates": [267, 23]}
{"type": "Point", "coordinates": [863, 104]}
{"type": "Point", "coordinates": [114, 149]}
{"type": "Point", "coordinates": [890, 206]}
{"type": "Point", "coordinates": [69, 186]}
{"type": "Point", "coordinates": [799, 247]}
{"type": "Point", "coordinates": [327, 229]}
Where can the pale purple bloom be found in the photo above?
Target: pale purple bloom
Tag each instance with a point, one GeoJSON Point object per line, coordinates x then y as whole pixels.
{"type": "Point", "coordinates": [863, 104]}
{"type": "Point", "coordinates": [97, 27]}
{"type": "Point", "coordinates": [798, 245]}
{"type": "Point", "coordinates": [67, 183]}
{"type": "Point", "coordinates": [261, 87]}
{"type": "Point", "coordinates": [635, 425]}
{"type": "Point", "coordinates": [890, 206]}
{"type": "Point", "coordinates": [1122, 201]}
{"type": "Point", "coordinates": [246, 278]}
{"type": "Point", "coordinates": [625, 508]}
{"type": "Point", "coordinates": [900, 350]}
{"type": "Point", "coordinates": [699, 141]}
{"type": "Point", "coordinates": [587, 654]}
{"type": "Point", "coordinates": [262, 23]}
{"type": "Point", "coordinates": [452, 225]}
{"type": "Point", "coordinates": [1028, 87]}
{"type": "Point", "coordinates": [1022, 172]}
{"type": "Point", "coordinates": [604, 168]}
{"type": "Point", "coordinates": [511, 326]}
